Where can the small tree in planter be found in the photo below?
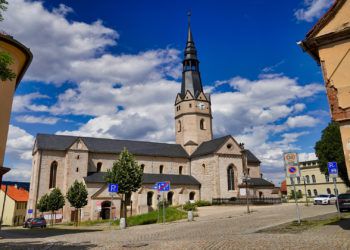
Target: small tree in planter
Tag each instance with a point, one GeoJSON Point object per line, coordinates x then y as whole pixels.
{"type": "Point", "coordinates": [77, 196]}
{"type": "Point", "coordinates": [127, 174]}
{"type": "Point", "coordinates": [55, 201]}
{"type": "Point", "coordinates": [43, 204]}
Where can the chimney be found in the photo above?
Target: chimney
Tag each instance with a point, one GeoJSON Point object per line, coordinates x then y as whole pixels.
{"type": "Point", "coordinates": [261, 175]}
{"type": "Point", "coordinates": [16, 186]}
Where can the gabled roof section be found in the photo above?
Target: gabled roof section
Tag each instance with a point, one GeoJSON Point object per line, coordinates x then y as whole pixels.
{"type": "Point", "coordinates": [178, 98]}
{"type": "Point", "coordinates": [326, 18]}
{"type": "Point", "coordinates": [201, 96]}
{"type": "Point", "coordinates": [111, 146]}
{"type": "Point", "coordinates": [260, 182]}
{"type": "Point", "coordinates": [209, 147]}
{"type": "Point", "coordinates": [251, 158]}
{"type": "Point", "coordinates": [191, 143]}
{"type": "Point", "coordinates": [16, 194]}
{"type": "Point", "coordinates": [188, 95]}
{"type": "Point", "coordinates": [149, 178]}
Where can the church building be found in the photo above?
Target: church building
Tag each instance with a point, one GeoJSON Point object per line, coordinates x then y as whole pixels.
{"type": "Point", "coordinates": [198, 166]}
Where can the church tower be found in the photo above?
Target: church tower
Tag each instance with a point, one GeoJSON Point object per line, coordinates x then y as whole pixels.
{"type": "Point", "coordinates": [193, 119]}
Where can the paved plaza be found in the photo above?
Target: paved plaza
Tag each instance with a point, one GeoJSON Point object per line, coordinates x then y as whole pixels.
{"type": "Point", "coordinates": [217, 227]}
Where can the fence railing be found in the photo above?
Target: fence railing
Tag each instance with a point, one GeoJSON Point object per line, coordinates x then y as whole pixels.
{"type": "Point", "coordinates": [241, 201]}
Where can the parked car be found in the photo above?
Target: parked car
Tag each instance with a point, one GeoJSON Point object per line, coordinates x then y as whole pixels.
{"type": "Point", "coordinates": [27, 222]}
{"type": "Point", "coordinates": [325, 199]}
{"type": "Point", "coordinates": [344, 202]}
{"type": "Point", "coordinates": [37, 222]}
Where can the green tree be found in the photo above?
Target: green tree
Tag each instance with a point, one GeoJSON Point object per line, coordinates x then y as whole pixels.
{"type": "Point", "coordinates": [43, 204]}
{"type": "Point", "coordinates": [77, 196]}
{"type": "Point", "coordinates": [3, 7]}
{"type": "Point", "coordinates": [5, 58]}
{"type": "Point", "coordinates": [128, 175]}
{"type": "Point", "coordinates": [55, 201]}
{"type": "Point", "coordinates": [292, 197]}
{"type": "Point", "coordinates": [330, 149]}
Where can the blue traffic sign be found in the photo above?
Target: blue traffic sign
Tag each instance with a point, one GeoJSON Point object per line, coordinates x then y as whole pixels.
{"type": "Point", "coordinates": [30, 211]}
{"type": "Point", "coordinates": [113, 188]}
{"type": "Point", "coordinates": [155, 187]}
{"type": "Point", "coordinates": [332, 168]}
{"type": "Point", "coordinates": [163, 186]}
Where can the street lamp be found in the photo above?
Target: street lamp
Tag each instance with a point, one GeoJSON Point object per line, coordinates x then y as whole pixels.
{"type": "Point", "coordinates": [246, 179]}
{"type": "Point", "coordinates": [307, 201]}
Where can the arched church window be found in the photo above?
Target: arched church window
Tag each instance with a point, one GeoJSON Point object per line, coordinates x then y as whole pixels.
{"type": "Point", "coordinates": [192, 195]}
{"type": "Point", "coordinates": [179, 126]}
{"type": "Point", "coordinates": [193, 67]}
{"type": "Point", "coordinates": [161, 168]}
{"type": "Point", "coordinates": [149, 198]}
{"type": "Point", "coordinates": [53, 174]}
{"type": "Point", "coordinates": [203, 169]}
{"type": "Point", "coordinates": [230, 178]}
{"type": "Point", "coordinates": [143, 167]}
{"type": "Point", "coordinates": [170, 198]}
{"type": "Point", "coordinates": [201, 124]}
{"type": "Point", "coordinates": [180, 170]}
{"type": "Point", "coordinates": [99, 166]}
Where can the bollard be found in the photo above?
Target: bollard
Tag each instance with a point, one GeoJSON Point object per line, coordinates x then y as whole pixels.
{"type": "Point", "coordinates": [122, 223]}
{"type": "Point", "coordinates": [190, 215]}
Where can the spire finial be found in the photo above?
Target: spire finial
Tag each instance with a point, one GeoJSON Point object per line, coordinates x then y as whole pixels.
{"type": "Point", "coordinates": [189, 17]}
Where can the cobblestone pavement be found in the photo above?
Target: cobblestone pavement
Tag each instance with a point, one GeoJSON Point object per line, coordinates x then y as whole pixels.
{"type": "Point", "coordinates": [216, 228]}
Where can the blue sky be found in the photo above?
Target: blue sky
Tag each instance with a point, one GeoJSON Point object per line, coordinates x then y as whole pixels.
{"type": "Point", "coordinates": [113, 68]}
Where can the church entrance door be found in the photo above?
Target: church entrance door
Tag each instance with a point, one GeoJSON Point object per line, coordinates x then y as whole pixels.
{"type": "Point", "coordinates": [105, 207]}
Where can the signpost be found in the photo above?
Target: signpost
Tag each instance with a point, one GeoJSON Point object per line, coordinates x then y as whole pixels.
{"type": "Point", "coordinates": [30, 211]}
{"type": "Point", "coordinates": [112, 189]}
{"type": "Point", "coordinates": [333, 173]}
{"type": "Point", "coordinates": [291, 163]}
{"type": "Point", "coordinates": [163, 186]}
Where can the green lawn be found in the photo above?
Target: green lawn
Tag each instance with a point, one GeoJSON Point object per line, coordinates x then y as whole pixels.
{"type": "Point", "coordinates": [171, 214]}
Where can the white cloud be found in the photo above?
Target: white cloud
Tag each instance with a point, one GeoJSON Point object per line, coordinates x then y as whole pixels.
{"type": "Point", "coordinates": [37, 119]}
{"type": "Point", "coordinates": [307, 157]}
{"type": "Point", "coordinates": [23, 103]}
{"type": "Point", "coordinates": [302, 121]}
{"type": "Point", "coordinates": [19, 172]}
{"type": "Point", "coordinates": [56, 43]}
{"type": "Point", "coordinates": [19, 144]}
{"type": "Point", "coordinates": [314, 9]}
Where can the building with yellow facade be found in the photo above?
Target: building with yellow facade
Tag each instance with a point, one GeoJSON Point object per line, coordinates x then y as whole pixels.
{"type": "Point", "coordinates": [15, 205]}
{"type": "Point", "coordinates": [314, 181]}
{"type": "Point", "coordinates": [328, 43]}
{"type": "Point", "coordinates": [22, 58]}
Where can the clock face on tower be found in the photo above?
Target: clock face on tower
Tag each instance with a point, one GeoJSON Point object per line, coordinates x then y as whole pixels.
{"type": "Point", "coordinates": [201, 105]}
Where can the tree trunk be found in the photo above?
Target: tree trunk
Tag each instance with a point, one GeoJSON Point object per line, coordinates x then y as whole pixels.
{"type": "Point", "coordinates": [122, 207]}
{"type": "Point", "coordinates": [125, 211]}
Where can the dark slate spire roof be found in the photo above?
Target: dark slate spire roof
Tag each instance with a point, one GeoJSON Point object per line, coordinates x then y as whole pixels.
{"type": "Point", "coordinates": [191, 79]}
{"type": "Point", "coordinates": [112, 146]}
{"type": "Point", "coordinates": [150, 178]}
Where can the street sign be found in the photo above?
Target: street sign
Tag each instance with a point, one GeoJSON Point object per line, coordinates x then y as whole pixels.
{"type": "Point", "coordinates": [333, 169]}
{"type": "Point", "coordinates": [163, 186]}
{"type": "Point", "coordinates": [113, 188]}
{"type": "Point", "coordinates": [291, 164]}
{"type": "Point", "coordinates": [155, 187]}
{"type": "Point", "coordinates": [30, 211]}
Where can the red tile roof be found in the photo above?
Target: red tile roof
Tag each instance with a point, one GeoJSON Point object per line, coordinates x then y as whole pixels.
{"type": "Point", "coordinates": [16, 194]}
{"type": "Point", "coordinates": [284, 187]}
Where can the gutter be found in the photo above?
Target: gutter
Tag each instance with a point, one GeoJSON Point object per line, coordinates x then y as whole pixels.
{"type": "Point", "coordinates": [305, 48]}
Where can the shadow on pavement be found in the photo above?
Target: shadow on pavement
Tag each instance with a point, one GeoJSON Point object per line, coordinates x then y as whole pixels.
{"type": "Point", "coordinates": [39, 233]}
{"type": "Point", "coordinates": [45, 245]}
{"type": "Point", "coordinates": [344, 224]}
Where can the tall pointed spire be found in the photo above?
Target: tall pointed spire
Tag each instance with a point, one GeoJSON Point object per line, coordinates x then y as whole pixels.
{"type": "Point", "coordinates": [191, 80]}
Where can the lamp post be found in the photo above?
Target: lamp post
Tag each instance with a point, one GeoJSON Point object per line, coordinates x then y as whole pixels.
{"type": "Point", "coordinates": [246, 179]}
{"type": "Point", "coordinates": [307, 201]}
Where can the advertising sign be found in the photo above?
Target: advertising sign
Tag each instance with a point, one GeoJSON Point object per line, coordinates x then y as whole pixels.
{"type": "Point", "coordinates": [291, 164]}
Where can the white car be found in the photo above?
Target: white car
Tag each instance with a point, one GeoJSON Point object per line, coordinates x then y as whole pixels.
{"type": "Point", "coordinates": [325, 199]}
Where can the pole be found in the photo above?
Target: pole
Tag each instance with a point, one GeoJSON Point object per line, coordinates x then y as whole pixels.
{"type": "Point", "coordinates": [336, 194]}
{"type": "Point", "coordinates": [307, 201]}
{"type": "Point", "coordinates": [296, 199]}
{"type": "Point", "coordinates": [246, 194]}
{"type": "Point", "coordinates": [110, 213]}
{"type": "Point", "coordinates": [3, 207]}
{"type": "Point", "coordinates": [163, 209]}
{"type": "Point", "coordinates": [158, 206]}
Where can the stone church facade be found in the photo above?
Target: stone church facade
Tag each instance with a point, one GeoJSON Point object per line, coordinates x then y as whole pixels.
{"type": "Point", "coordinates": [197, 166]}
